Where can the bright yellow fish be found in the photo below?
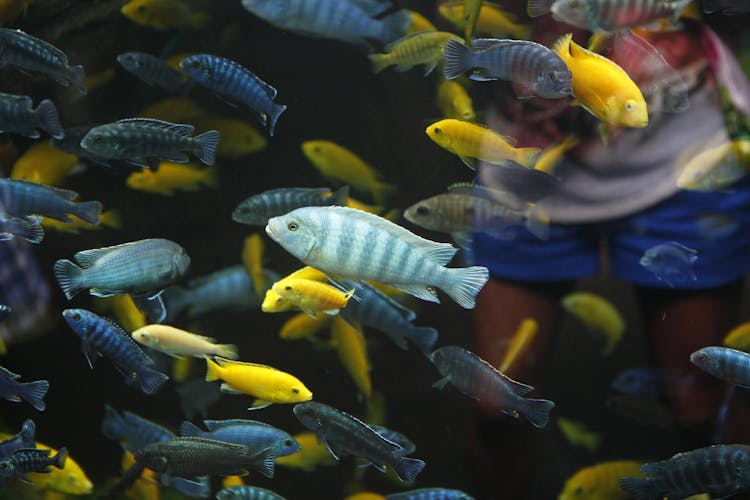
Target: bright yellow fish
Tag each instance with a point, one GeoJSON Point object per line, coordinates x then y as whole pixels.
{"type": "Point", "coordinates": [454, 101]}
{"type": "Point", "coordinates": [600, 481]}
{"type": "Point", "coordinates": [163, 14]}
{"type": "Point", "coordinates": [419, 23]}
{"type": "Point", "coordinates": [44, 164]}
{"type": "Point", "coordinates": [124, 310]}
{"type": "Point", "coordinates": [713, 168]}
{"type": "Point", "coordinates": [176, 342]}
{"type": "Point", "coordinates": [599, 315]}
{"type": "Point", "coordinates": [578, 434]}
{"type": "Point", "coordinates": [252, 257]}
{"type": "Point", "coordinates": [171, 177]}
{"type": "Point", "coordinates": [372, 209]}
{"type": "Point", "coordinates": [492, 20]}
{"type": "Point", "coordinates": [238, 138]}
{"type": "Point", "coordinates": [312, 453]}
{"type": "Point", "coordinates": [602, 87]}
{"type": "Point", "coordinates": [228, 481]}
{"type": "Point", "coordinates": [739, 337]}
{"type": "Point", "coordinates": [273, 302]}
{"type": "Point", "coordinates": [550, 157]}
{"type": "Point", "coordinates": [519, 344]}
{"type": "Point", "coordinates": [70, 479]}
{"type": "Point", "coordinates": [425, 48]}
{"type": "Point", "coordinates": [146, 487]}
{"type": "Point", "coordinates": [312, 296]}
{"type": "Point", "coordinates": [349, 342]}
{"type": "Point", "coordinates": [303, 326]}
{"type": "Point", "coordinates": [109, 218]}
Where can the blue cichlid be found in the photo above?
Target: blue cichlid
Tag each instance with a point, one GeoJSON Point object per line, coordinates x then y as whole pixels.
{"type": "Point", "coordinates": [13, 390]}
{"type": "Point", "coordinates": [29, 228]}
{"type": "Point", "coordinates": [102, 337]}
{"type": "Point", "coordinates": [475, 377]}
{"type": "Point", "coordinates": [32, 54]}
{"type": "Point", "coordinates": [430, 494]}
{"type": "Point", "coordinates": [152, 70]}
{"type": "Point", "coordinates": [256, 435]}
{"type": "Point", "coordinates": [727, 364]}
{"type": "Point", "coordinates": [671, 262]}
{"type": "Point", "coordinates": [27, 460]}
{"type": "Point", "coordinates": [18, 117]}
{"type": "Point", "coordinates": [535, 69]}
{"type": "Point", "coordinates": [230, 80]}
{"type": "Point", "coordinates": [20, 198]}
{"type": "Point", "coordinates": [132, 431]}
{"type": "Point", "coordinates": [643, 381]}
{"type": "Point", "coordinates": [608, 15]}
{"type": "Point", "coordinates": [257, 209]}
{"type": "Point", "coordinates": [24, 439]}
{"type": "Point", "coordinates": [245, 492]}
{"type": "Point", "coordinates": [351, 244]}
{"type": "Point", "coordinates": [71, 143]}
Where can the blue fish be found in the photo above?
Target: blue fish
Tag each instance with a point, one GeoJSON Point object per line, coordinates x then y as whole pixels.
{"type": "Point", "coordinates": [71, 143]}
{"type": "Point", "coordinates": [152, 70]}
{"type": "Point", "coordinates": [31, 392]}
{"type": "Point", "coordinates": [20, 198]}
{"type": "Point", "coordinates": [29, 228]}
{"type": "Point", "coordinates": [230, 80]}
{"type": "Point", "coordinates": [671, 262]}
{"type": "Point", "coordinates": [643, 381]}
{"type": "Point", "coordinates": [31, 460]}
{"type": "Point", "coordinates": [430, 494]}
{"type": "Point", "coordinates": [26, 438]}
{"type": "Point", "coordinates": [255, 435]}
{"type": "Point", "coordinates": [131, 431]}
{"type": "Point", "coordinates": [245, 492]}
{"type": "Point", "coordinates": [102, 337]}
{"type": "Point", "coordinates": [257, 209]}
{"type": "Point", "coordinates": [18, 117]}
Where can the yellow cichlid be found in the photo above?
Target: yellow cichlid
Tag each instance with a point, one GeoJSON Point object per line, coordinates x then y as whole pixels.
{"type": "Point", "coordinates": [419, 23]}
{"type": "Point", "coordinates": [599, 315]}
{"type": "Point", "coordinates": [550, 157]}
{"type": "Point", "coordinates": [267, 384]}
{"type": "Point", "coordinates": [600, 481]}
{"type": "Point", "coordinates": [578, 434]}
{"type": "Point", "coordinates": [273, 302]}
{"type": "Point", "coordinates": [492, 20]}
{"type": "Point", "coordinates": [181, 368]}
{"type": "Point", "coordinates": [109, 218]}
{"type": "Point", "coordinates": [303, 326]}
{"type": "Point", "coordinates": [713, 168]}
{"type": "Point", "coordinates": [519, 344]}
{"type": "Point", "coordinates": [44, 164]}
{"type": "Point", "coordinates": [602, 87]}
{"type": "Point", "coordinates": [425, 48]}
{"type": "Point", "coordinates": [146, 487]}
{"type": "Point", "coordinates": [454, 101]}
{"type": "Point", "coordinates": [177, 343]}
{"type": "Point", "coordinates": [175, 110]}
{"type": "Point", "coordinates": [349, 342]}
{"type": "Point", "coordinates": [739, 337]}
{"type": "Point", "coordinates": [312, 296]}
{"type": "Point", "coordinates": [238, 138]}
{"type": "Point", "coordinates": [163, 14]}
{"type": "Point", "coordinates": [252, 258]}
{"type": "Point", "coordinates": [468, 140]}
{"type": "Point", "coordinates": [365, 495]}
{"type": "Point", "coordinates": [312, 453]}
{"type": "Point", "coordinates": [339, 164]}
{"type": "Point", "coordinates": [228, 481]}
{"type": "Point", "coordinates": [124, 310]}
{"type": "Point", "coordinates": [171, 177]}
{"type": "Point", "coordinates": [71, 479]}
{"type": "Point", "coordinates": [372, 209]}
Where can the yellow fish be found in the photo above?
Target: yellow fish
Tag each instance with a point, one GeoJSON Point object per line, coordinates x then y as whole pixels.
{"type": "Point", "coordinates": [273, 302]}
{"type": "Point", "coordinates": [171, 177]}
{"type": "Point", "coordinates": [454, 101]}
{"type": "Point", "coordinates": [146, 487]}
{"type": "Point", "coordinates": [175, 110]}
{"type": "Point", "coordinates": [419, 23]}
{"type": "Point", "coordinates": [578, 434]}
{"type": "Point", "coordinates": [599, 315]}
{"type": "Point", "coordinates": [365, 495]}
{"type": "Point", "coordinates": [713, 168]}
{"type": "Point", "coordinates": [739, 337]}
{"type": "Point", "coordinates": [602, 87]}
{"type": "Point", "coordinates": [468, 140]}
{"type": "Point", "coordinates": [44, 164]}
{"type": "Point", "coordinates": [174, 61]}
{"type": "Point", "coordinates": [252, 257]}
{"type": "Point", "coordinates": [11, 9]}
{"type": "Point", "coordinates": [339, 164]}
{"type": "Point", "coordinates": [600, 481]}
{"type": "Point", "coordinates": [238, 138]}
{"type": "Point", "coordinates": [177, 343]}
{"type": "Point", "coordinates": [124, 310]}
{"type": "Point", "coordinates": [312, 296]}
{"type": "Point", "coordinates": [492, 20]}
{"type": "Point", "coordinates": [109, 218]}
{"type": "Point", "coordinates": [519, 344]}
{"type": "Point", "coordinates": [228, 481]}
{"type": "Point", "coordinates": [312, 453]}
{"type": "Point", "coordinates": [351, 347]}
{"type": "Point", "coordinates": [303, 326]}
{"type": "Point", "coordinates": [181, 368]}
{"type": "Point", "coordinates": [425, 48]}
{"type": "Point", "coordinates": [98, 80]}
{"type": "Point", "coordinates": [550, 157]}
{"type": "Point", "coordinates": [267, 384]}
{"type": "Point", "coordinates": [163, 14]}
{"type": "Point", "coordinates": [70, 479]}
{"type": "Point", "coordinates": [372, 209]}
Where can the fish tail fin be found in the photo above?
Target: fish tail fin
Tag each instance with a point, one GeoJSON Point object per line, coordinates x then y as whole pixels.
{"type": "Point", "coordinates": [340, 197]}
{"type": "Point", "coordinates": [268, 462]}
{"type": "Point", "coordinates": [526, 156]}
{"type": "Point", "coordinates": [639, 487]}
{"type": "Point", "coordinates": [28, 433]}
{"type": "Point", "coordinates": [274, 116]}
{"type": "Point", "coordinates": [112, 424]}
{"type": "Point", "coordinates": [76, 76]}
{"type": "Point", "coordinates": [379, 62]}
{"type": "Point", "coordinates": [524, 32]}
{"type": "Point", "coordinates": [46, 114]}
{"type": "Point", "coordinates": [68, 275]}
{"type": "Point", "coordinates": [210, 177]}
{"type": "Point", "coordinates": [464, 283]}
{"type": "Point", "coordinates": [151, 380]}
{"type": "Point", "coordinates": [89, 211]}
{"type": "Point", "coordinates": [537, 411]}
{"type": "Point", "coordinates": [34, 392]}
{"type": "Point", "coordinates": [34, 230]}
{"type": "Point", "coordinates": [536, 8]}
{"type": "Point", "coordinates": [407, 468]}
{"type": "Point", "coordinates": [60, 458]}
{"type": "Point", "coordinates": [458, 59]}
{"type": "Point", "coordinates": [213, 370]}
{"type": "Point", "coordinates": [227, 351]}
{"type": "Point", "coordinates": [395, 26]}
{"type": "Point", "coordinates": [537, 223]}
{"type": "Point", "coordinates": [382, 191]}
{"type": "Point", "coordinates": [189, 429]}
{"type": "Point", "coordinates": [424, 338]}
{"type": "Point", "coordinates": [111, 218]}
{"type": "Point", "coordinates": [207, 142]}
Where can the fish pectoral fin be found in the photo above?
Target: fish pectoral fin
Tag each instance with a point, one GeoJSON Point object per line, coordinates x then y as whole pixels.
{"type": "Point", "coordinates": [469, 162]}
{"type": "Point", "coordinates": [176, 156]}
{"type": "Point", "coordinates": [510, 411]}
{"type": "Point", "coordinates": [420, 291]}
{"type": "Point", "coordinates": [98, 292]}
{"type": "Point", "coordinates": [89, 352]}
{"type": "Point", "coordinates": [259, 404]}
{"type": "Point", "coordinates": [440, 384]}
{"type": "Point", "coordinates": [227, 389]}
{"type": "Point", "coordinates": [332, 451]}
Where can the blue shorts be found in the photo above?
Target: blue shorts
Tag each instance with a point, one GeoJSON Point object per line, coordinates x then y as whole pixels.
{"type": "Point", "coordinates": [716, 224]}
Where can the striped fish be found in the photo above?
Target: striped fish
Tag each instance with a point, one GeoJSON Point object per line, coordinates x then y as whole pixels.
{"type": "Point", "coordinates": [18, 117]}
{"type": "Point", "coordinates": [31, 392]}
{"type": "Point", "coordinates": [730, 365]}
{"type": "Point", "coordinates": [347, 243]}
{"type": "Point", "coordinates": [152, 70]}
{"type": "Point", "coordinates": [608, 15]}
{"type": "Point", "coordinates": [21, 198]}
{"type": "Point", "coordinates": [255, 435]}
{"type": "Point", "coordinates": [28, 228]}
{"type": "Point", "coordinates": [102, 337]}
{"type": "Point", "coordinates": [430, 494]}
{"type": "Point", "coordinates": [418, 48]}
{"type": "Point", "coordinates": [535, 69]}
{"type": "Point", "coordinates": [257, 209]}
{"type": "Point", "coordinates": [31, 460]}
{"type": "Point", "coordinates": [235, 82]}
{"type": "Point", "coordinates": [24, 439]}
{"type": "Point", "coordinates": [720, 471]}
{"type": "Point", "coordinates": [245, 492]}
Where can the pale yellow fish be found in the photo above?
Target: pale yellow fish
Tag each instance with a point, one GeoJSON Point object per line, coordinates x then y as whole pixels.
{"type": "Point", "coordinates": [312, 453]}
{"type": "Point", "coordinates": [337, 163]}
{"type": "Point", "coordinates": [359, 205]}
{"type": "Point", "coordinates": [44, 164]}
{"type": "Point", "coordinates": [146, 487]}
{"type": "Point", "coordinates": [312, 296]}
{"type": "Point", "coordinates": [163, 14]}
{"type": "Point", "coordinates": [419, 23]}
{"type": "Point", "coordinates": [303, 326]}
{"type": "Point", "coordinates": [181, 368]}
{"type": "Point", "coordinates": [252, 258]}
{"type": "Point", "coordinates": [551, 156]}
{"type": "Point", "coordinates": [600, 481]}
{"type": "Point", "coordinates": [519, 344]}
{"type": "Point", "coordinates": [171, 177]}
{"type": "Point", "coordinates": [124, 310]}
{"type": "Point", "coordinates": [176, 342]}
{"type": "Point", "coordinates": [425, 48]}
{"type": "Point", "coordinates": [577, 434]}
{"type": "Point", "coordinates": [350, 345]}
{"type": "Point", "coordinates": [492, 20]}
{"type": "Point", "coordinates": [713, 168]}
{"type": "Point", "coordinates": [228, 481]}
{"type": "Point", "coordinates": [175, 110]}
{"type": "Point", "coordinates": [599, 315]}
{"type": "Point", "coordinates": [454, 101]}
{"type": "Point", "coordinates": [739, 337]}
{"type": "Point", "coordinates": [238, 137]}
{"type": "Point", "coordinates": [109, 218]}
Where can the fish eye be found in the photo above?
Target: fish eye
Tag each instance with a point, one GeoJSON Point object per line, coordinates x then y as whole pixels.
{"type": "Point", "coordinates": [292, 226]}
{"type": "Point", "coordinates": [578, 490]}
{"type": "Point", "coordinates": [76, 317]}
{"type": "Point", "coordinates": [279, 300]}
{"type": "Point", "coordinates": [629, 106]}
{"type": "Point", "coordinates": [287, 288]}
{"type": "Point", "coordinates": [295, 390]}
{"type": "Point", "coordinates": [288, 442]}
{"type": "Point", "coordinates": [422, 210]}
{"type": "Point", "coordinates": [316, 149]}
{"type": "Point", "coordinates": [436, 130]}
{"type": "Point", "coordinates": [141, 8]}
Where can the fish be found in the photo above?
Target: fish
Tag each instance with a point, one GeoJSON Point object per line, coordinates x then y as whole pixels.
{"type": "Point", "coordinates": [727, 7]}
{"type": "Point", "coordinates": [534, 68]}
{"type": "Point", "coordinates": [670, 262]}
{"type": "Point", "coordinates": [471, 12]}
{"type": "Point", "coordinates": [257, 209]}
{"type": "Point", "coordinates": [424, 48]}
{"type": "Point", "coordinates": [739, 337]}
{"type": "Point", "coordinates": [600, 481]}
{"type": "Point", "coordinates": [10, 10]}
{"type": "Point", "coordinates": [24, 439]}
{"type": "Point", "coordinates": [345, 434]}
{"type": "Point", "coordinates": [143, 267]}
{"type": "Point", "coordinates": [727, 364]}
{"type": "Point", "coordinates": [430, 494]}
{"type": "Point", "coordinates": [359, 205]}
{"type": "Point", "coordinates": [196, 396]}
{"type": "Point", "coordinates": [29, 53]}
{"type": "Point", "coordinates": [343, 20]}
{"type": "Point", "coordinates": [132, 431]}
{"type": "Point", "coordinates": [642, 381]}
{"type": "Point", "coordinates": [603, 88]}
{"type": "Point", "coordinates": [303, 326]}
{"type": "Point", "coordinates": [312, 453]}
{"type": "Point", "coordinates": [519, 344]}
{"type": "Point", "coordinates": [312, 297]}
{"type": "Point", "coordinates": [245, 492]}
{"type": "Point", "coordinates": [238, 138]}
{"type": "Point", "coordinates": [178, 343]}
{"type": "Point", "coordinates": [365, 495]}
{"type": "Point", "coordinates": [146, 487]}
{"type": "Point", "coordinates": [124, 310]}
{"type": "Point", "coordinates": [163, 14]}
{"type": "Point", "coordinates": [719, 470]}
{"type": "Point", "coordinates": [21, 198]}
{"type": "Point", "coordinates": [716, 226]}
{"type": "Point", "coordinates": [71, 143]}
{"type": "Point", "coordinates": [152, 71]}
{"type": "Point", "coordinates": [350, 244]}
{"type": "Point", "coordinates": [492, 20]}
{"type": "Point", "coordinates": [252, 258]}
{"type": "Point", "coordinates": [18, 117]}
{"type": "Point", "coordinates": [454, 101]}
{"type": "Point", "coordinates": [711, 169]}
{"type": "Point", "coordinates": [27, 460]}
{"type": "Point", "coordinates": [599, 316]}
{"type": "Point", "coordinates": [267, 384]}
{"type": "Point", "coordinates": [71, 479]}
{"type": "Point", "coordinates": [44, 164]}
{"type": "Point", "coordinates": [339, 164]}
{"type": "Point", "coordinates": [142, 140]}
{"type": "Point", "coordinates": [170, 177]}
{"type": "Point", "coordinates": [577, 434]}
{"type": "Point", "coordinates": [350, 345]}
{"type": "Point", "coordinates": [251, 433]}
{"type": "Point", "coordinates": [102, 337]}
{"type": "Point", "coordinates": [468, 140]}
{"type": "Point", "coordinates": [29, 228]}
{"type": "Point", "coordinates": [550, 157]}
{"type": "Point", "coordinates": [31, 392]}
{"type": "Point", "coordinates": [232, 81]}
{"type": "Point", "coordinates": [109, 218]}
{"type": "Point", "coordinates": [419, 23]}
{"type": "Point", "coordinates": [476, 378]}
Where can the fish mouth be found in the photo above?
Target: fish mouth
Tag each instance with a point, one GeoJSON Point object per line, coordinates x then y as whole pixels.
{"type": "Point", "coordinates": [269, 231]}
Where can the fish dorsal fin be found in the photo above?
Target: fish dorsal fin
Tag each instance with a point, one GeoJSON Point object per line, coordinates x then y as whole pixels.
{"type": "Point", "coordinates": [18, 100]}
{"type": "Point", "coordinates": [576, 51]}
{"type": "Point", "coordinates": [477, 190]}
{"type": "Point", "coordinates": [267, 88]}
{"type": "Point", "coordinates": [225, 361]}
{"type": "Point", "coordinates": [9, 374]}
{"type": "Point", "coordinates": [178, 128]}
{"type": "Point", "coordinates": [405, 312]}
{"type": "Point", "coordinates": [66, 194]}
{"type": "Point", "coordinates": [410, 36]}
{"type": "Point", "coordinates": [481, 44]}
{"type": "Point", "coordinates": [517, 387]}
{"type": "Point", "coordinates": [372, 7]}
{"type": "Point", "coordinates": [88, 258]}
{"type": "Point", "coordinates": [213, 425]}
{"type": "Point", "coordinates": [562, 47]}
{"type": "Point", "coordinates": [440, 253]}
